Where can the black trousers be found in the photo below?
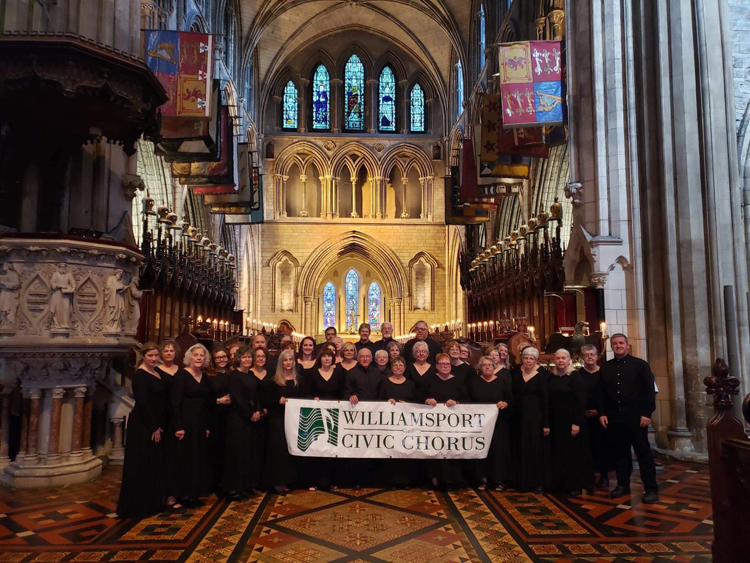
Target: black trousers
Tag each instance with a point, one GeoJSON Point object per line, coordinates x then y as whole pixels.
{"type": "Point", "coordinates": [624, 436]}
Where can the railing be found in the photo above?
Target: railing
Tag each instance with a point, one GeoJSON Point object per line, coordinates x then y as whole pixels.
{"type": "Point", "coordinates": [729, 460]}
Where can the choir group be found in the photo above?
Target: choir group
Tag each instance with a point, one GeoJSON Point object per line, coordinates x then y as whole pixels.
{"type": "Point", "coordinates": [216, 424]}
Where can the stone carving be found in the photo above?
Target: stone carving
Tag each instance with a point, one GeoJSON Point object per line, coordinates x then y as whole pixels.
{"type": "Point", "coordinates": [10, 283]}
{"type": "Point", "coordinates": [63, 285]}
{"type": "Point", "coordinates": [87, 301]}
{"type": "Point", "coordinates": [574, 192]}
{"type": "Point", "coordinates": [114, 302]}
{"type": "Point", "coordinates": [133, 311]}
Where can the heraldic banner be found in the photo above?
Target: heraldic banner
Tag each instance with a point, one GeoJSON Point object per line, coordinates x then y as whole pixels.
{"type": "Point", "coordinates": [382, 430]}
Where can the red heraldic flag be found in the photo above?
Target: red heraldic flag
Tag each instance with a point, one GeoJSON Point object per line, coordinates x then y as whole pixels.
{"type": "Point", "coordinates": [531, 74]}
{"type": "Point", "coordinates": [182, 62]}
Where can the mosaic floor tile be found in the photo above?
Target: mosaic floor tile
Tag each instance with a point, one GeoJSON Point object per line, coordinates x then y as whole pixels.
{"type": "Point", "coordinates": [78, 523]}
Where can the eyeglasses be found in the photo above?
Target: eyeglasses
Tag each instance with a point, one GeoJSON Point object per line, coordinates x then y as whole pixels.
{"type": "Point", "coordinates": [443, 363]}
{"type": "Point", "coordinates": [221, 357]}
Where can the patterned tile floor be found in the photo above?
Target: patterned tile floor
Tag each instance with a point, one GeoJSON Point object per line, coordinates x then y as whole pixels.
{"type": "Point", "coordinates": [78, 523]}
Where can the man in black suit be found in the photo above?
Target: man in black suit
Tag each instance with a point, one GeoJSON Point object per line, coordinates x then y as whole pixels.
{"type": "Point", "coordinates": [386, 329]}
{"type": "Point", "coordinates": [628, 399]}
{"type": "Point", "coordinates": [364, 339]}
{"type": "Point", "coordinates": [423, 333]}
{"type": "Point", "coordinates": [330, 334]}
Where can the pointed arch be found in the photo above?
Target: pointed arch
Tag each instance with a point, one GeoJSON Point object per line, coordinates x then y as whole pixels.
{"type": "Point", "coordinates": [302, 153]}
{"type": "Point", "coordinates": [320, 98]}
{"type": "Point", "coordinates": [387, 99]}
{"type": "Point", "coordinates": [354, 94]}
{"type": "Point", "coordinates": [362, 157]}
{"type": "Point", "coordinates": [284, 271]}
{"type": "Point", "coordinates": [290, 107]}
{"type": "Point", "coordinates": [405, 157]}
{"type": "Point", "coordinates": [422, 273]}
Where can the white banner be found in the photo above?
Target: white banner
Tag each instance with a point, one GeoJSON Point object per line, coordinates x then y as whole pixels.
{"type": "Point", "coordinates": [381, 430]}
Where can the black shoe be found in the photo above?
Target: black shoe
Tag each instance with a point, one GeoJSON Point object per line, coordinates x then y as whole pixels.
{"type": "Point", "coordinates": [603, 483]}
{"type": "Point", "coordinates": [619, 491]}
{"type": "Point", "coordinates": [651, 497]}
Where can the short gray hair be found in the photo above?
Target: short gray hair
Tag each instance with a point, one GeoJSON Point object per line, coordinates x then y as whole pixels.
{"type": "Point", "coordinates": [589, 348]}
{"type": "Point", "coordinates": [189, 355]}
{"type": "Point", "coordinates": [418, 346]}
{"type": "Point", "coordinates": [381, 352]}
{"type": "Point", "coordinates": [530, 351]}
{"type": "Point", "coordinates": [484, 359]}
{"type": "Point", "coordinates": [363, 350]}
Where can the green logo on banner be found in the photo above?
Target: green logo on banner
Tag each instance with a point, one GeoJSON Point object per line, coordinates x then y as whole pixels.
{"type": "Point", "coordinates": [314, 422]}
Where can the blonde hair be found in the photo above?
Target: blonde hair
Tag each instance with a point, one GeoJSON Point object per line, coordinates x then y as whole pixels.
{"type": "Point", "coordinates": [189, 356]}
{"type": "Point", "coordinates": [569, 369]}
{"type": "Point", "coordinates": [507, 360]}
{"type": "Point", "coordinates": [278, 377]}
{"type": "Point", "coordinates": [346, 346]}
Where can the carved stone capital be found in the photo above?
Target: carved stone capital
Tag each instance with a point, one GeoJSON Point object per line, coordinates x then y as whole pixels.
{"type": "Point", "coordinates": [80, 392]}
{"type": "Point", "coordinates": [598, 279]}
{"type": "Point", "coordinates": [132, 183]}
{"type": "Point", "coordinates": [58, 393]}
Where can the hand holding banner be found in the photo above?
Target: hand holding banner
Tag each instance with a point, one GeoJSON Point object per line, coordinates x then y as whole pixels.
{"type": "Point", "coordinates": [382, 430]}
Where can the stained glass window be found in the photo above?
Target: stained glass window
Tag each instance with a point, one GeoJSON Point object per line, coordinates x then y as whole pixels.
{"type": "Point", "coordinates": [417, 109]}
{"type": "Point", "coordinates": [374, 297]}
{"type": "Point", "coordinates": [387, 100]}
{"type": "Point", "coordinates": [329, 305]}
{"type": "Point", "coordinates": [354, 98]}
{"type": "Point", "coordinates": [352, 300]}
{"type": "Point", "coordinates": [290, 106]}
{"type": "Point", "coordinates": [460, 87]}
{"type": "Point", "coordinates": [481, 30]}
{"type": "Point", "coordinates": [321, 95]}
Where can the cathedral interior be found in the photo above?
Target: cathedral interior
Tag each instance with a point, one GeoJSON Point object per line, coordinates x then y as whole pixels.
{"type": "Point", "coordinates": [204, 170]}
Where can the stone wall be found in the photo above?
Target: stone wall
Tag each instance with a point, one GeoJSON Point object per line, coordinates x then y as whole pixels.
{"type": "Point", "coordinates": [739, 16]}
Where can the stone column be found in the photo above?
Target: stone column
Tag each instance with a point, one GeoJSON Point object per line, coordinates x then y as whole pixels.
{"type": "Point", "coordinates": [279, 107]}
{"type": "Point", "coordinates": [302, 101]}
{"type": "Point", "coordinates": [377, 195]}
{"type": "Point", "coordinates": [277, 209]}
{"type": "Point", "coordinates": [308, 323]}
{"type": "Point", "coordinates": [335, 197]}
{"type": "Point", "coordinates": [323, 196]}
{"type": "Point", "coordinates": [334, 106]}
{"type": "Point", "coordinates": [402, 98]}
{"type": "Point", "coordinates": [283, 195]}
{"type": "Point", "coordinates": [303, 211]}
{"type": "Point", "coordinates": [53, 448]}
{"type": "Point", "coordinates": [372, 107]}
{"type": "Point", "coordinates": [354, 213]}
{"type": "Point", "coordinates": [118, 451]}
{"type": "Point", "coordinates": [5, 428]}
{"type": "Point", "coordinates": [77, 438]}
{"type": "Point", "coordinates": [404, 212]}
{"type": "Point", "coordinates": [398, 323]}
{"type": "Point", "coordinates": [422, 186]}
{"type": "Point", "coordinates": [88, 406]}
{"type": "Point", "coordinates": [24, 427]}
{"type": "Point", "coordinates": [32, 453]}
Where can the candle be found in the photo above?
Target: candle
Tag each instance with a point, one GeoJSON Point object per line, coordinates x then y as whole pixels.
{"type": "Point", "coordinates": [531, 333]}
{"type": "Point", "coordinates": [603, 328]}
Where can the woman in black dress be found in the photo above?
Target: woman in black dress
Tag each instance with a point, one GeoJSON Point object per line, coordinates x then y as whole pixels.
{"type": "Point", "coordinates": [531, 421]}
{"type": "Point", "coordinates": [494, 388]}
{"type": "Point", "coordinates": [503, 357]}
{"type": "Point", "coordinates": [395, 350]}
{"type": "Point", "coordinates": [444, 387]}
{"type": "Point", "coordinates": [597, 433]}
{"type": "Point", "coordinates": [420, 371]}
{"type": "Point", "coordinates": [143, 473]}
{"type": "Point", "coordinates": [324, 383]}
{"type": "Point", "coordinates": [288, 384]}
{"type": "Point", "coordinates": [241, 472]}
{"type": "Point", "coordinates": [259, 430]}
{"type": "Point", "coordinates": [349, 358]}
{"type": "Point", "coordinates": [460, 368]}
{"type": "Point", "coordinates": [171, 355]}
{"type": "Point", "coordinates": [219, 378]}
{"type": "Point", "coordinates": [397, 389]}
{"type": "Point", "coordinates": [569, 441]}
{"type": "Point", "coordinates": [381, 361]}
{"type": "Point", "coordinates": [306, 358]}
{"type": "Point", "coordinates": [191, 400]}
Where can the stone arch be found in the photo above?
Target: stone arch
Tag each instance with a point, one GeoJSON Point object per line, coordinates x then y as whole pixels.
{"type": "Point", "coordinates": [405, 156]}
{"type": "Point", "coordinates": [282, 79]}
{"type": "Point", "coordinates": [341, 158]}
{"type": "Point", "coordinates": [422, 298]}
{"type": "Point", "coordinates": [194, 18]}
{"type": "Point", "coordinates": [303, 153]}
{"type": "Point", "coordinates": [370, 251]}
{"type": "Point", "coordinates": [389, 59]}
{"type": "Point", "coordinates": [316, 58]}
{"type": "Point", "coordinates": [284, 272]}
{"type": "Point", "coordinates": [509, 31]}
{"type": "Point", "coordinates": [345, 55]}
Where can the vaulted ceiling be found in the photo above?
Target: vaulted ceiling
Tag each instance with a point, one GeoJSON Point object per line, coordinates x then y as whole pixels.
{"type": "Point", "coordinates": [428, 29]}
